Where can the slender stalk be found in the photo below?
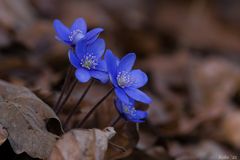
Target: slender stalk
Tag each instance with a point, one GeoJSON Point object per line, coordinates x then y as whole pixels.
{"type": "Point", "coordinates": [65, 85]}
{"type": "Point", "coordinates": [67, 96]}
{"type": "Point", "coordinates": [117, 146]}
{"type": "Point", "coordinates": [115, 121]}
{"type": "Point", "coordinates": [93, 109]}
{"type": "Point", "coordinates": [74, 109]}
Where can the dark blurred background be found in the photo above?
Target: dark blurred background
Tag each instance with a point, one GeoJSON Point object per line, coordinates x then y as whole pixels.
{"type": "Point", "coordinates": [189, 48]}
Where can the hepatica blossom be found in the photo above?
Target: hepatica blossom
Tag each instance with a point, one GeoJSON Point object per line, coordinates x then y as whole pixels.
{"type": "Point", "coordinates": [128, 112]}
{"type": "Point", "coordinates": [86, 55]}
{"type": "Point", "coordinates": [88, 62]}
{"type": "Point", "coordinates": [125, 80]}
{"type": "Point", "coordinates": [78, 31]}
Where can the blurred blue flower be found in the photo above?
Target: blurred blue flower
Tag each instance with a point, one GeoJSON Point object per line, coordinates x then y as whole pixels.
{"type": "Point", "coordinates": [88, 62]}
{"type": "Point", "coordinates": [128, 112]}
{"type": "Point", "coordinates": [125, 80]}
{"type": "Point", "coordinates": [78, 31]}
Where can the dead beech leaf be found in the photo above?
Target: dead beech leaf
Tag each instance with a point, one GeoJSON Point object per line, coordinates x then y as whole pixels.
{"type": "Point", "coordinates": [229, 130]}
{"type": "Point", "coordinates": [127, 138]}
{"type": "Point", "coordinates": [3, 134]}
{"type": "Point", "coordinates": [87, 144]}
{"type": "Point", "coordinates": [24, 116]}
{"type": "Point", "coordinates": [16, 14]}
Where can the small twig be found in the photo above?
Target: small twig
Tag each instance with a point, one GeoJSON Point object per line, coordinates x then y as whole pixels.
{"type": "Point", "coordinates": [74, 109]}
{"type": "Point", "coordinates": [93, 109]}
{"type": "Point", "coordinates": [117, 146]}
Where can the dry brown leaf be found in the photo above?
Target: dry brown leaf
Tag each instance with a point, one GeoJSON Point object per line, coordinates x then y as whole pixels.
{"type": "Point", "coordinates": [3, 134]}
{"type": "Point", "coordinates": [127, 135]}
{"type": "Point", "coordinates": [87, 144]}
{"type": "Point", "coordinates": [229, 129]}
{"type": "Point", "coordinates": [215, 83]}
{"type": "Point", "coordinates": [25, 116]}
{"type": "Point", "coordinates": [202, 30]}
{"type": "Point", "coordinates": [127, 138]}
{"type": "Point", "coordinates": [16, 14]}
{"type": "Point", "coordinates": [205, 149]}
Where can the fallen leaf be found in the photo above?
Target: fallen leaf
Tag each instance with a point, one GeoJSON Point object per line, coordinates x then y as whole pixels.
{"type": "Point", "coordinates": [206, 149]}
{"type": "Point", "coordinates": [16, 14]}
{"type": "Point", "coordinates": [87, 144]}
{"type": "Point", "coordinates": [3, 134]}
{"type": "Point", "coordinates": [126, 138]}
{"type": "Point", "coordinates": [229, 130]}
{"type": "Point", "coordinates": [25, 116]}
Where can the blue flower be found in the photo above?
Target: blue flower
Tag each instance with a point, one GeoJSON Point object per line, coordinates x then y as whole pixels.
{"type": "Point", "coordinates": [128, 112]}
{"type": "Point", "coordinates": [78, 31]}
{"type": "Point", "coordinates": [125, 80]}
{"type": "Point", "coordinates": [88, 62]}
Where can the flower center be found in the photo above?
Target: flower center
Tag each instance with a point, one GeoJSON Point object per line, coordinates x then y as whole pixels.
{"type": "Point", "coordinates": [124, 79]}
{"type": "Point", "coordinates": [76, 35]}
{"type": "Point", "coordinates": [89, 61]}
{"type": "Point", "coordinates": [129, 110]}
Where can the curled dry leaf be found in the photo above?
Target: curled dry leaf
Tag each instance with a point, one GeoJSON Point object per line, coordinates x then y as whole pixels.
{"type": "Point", "coordinates": [24, 116]}
{"type": "Point", "coordinates": [3, 134]}
{"type": "Point", "coordinates": [126, 138]}
{"type": "Point", "coordinates": [87, 144]}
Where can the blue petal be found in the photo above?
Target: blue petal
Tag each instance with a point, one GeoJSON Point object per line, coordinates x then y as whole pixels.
{"type": "Point", "coordinates": [102, 76]}
{"type": "Point", "coordinates": [137, 95]}
{"type": "Point", "coordinates": [118, 105]}
{"type": "Point", "coordinates": [141, 114]}
{"type": "Point", "coordinates": [102, 66]}
{"type": "Point", "coordinates": [139, 78]}
{"type": "Point", "coordinates": [127, 62]}
{"type": "Point", "coordinates": [111, 61]}
{"type": "Point", "coordinates": [97, 48]}
{"type": "Point", "coordinates": [135, 120]}
{"type": "Point", "coordinates": [121, 95]}
{"type": "Point", "coordinates": [92, 35]}
{"type": "Point", "coordinates": [81, 49]}
{"type": "Point", "coordinates": [61, 30]}
{"type": "Point", "coordinates": [82, 75]}
{"type": "Point", "coordinates": [138, 117]}
{"type": "Point", "coordinates": [79, 24]}
{"type": "Point", "coordinates": [73, 59]}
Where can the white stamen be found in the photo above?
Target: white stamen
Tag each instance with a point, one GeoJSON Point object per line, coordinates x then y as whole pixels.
{"type": "Point", "coordinates": [76, 35]}
{"type": "Point", "coordinates": [129, 110]}
{"type": "Point", "coordinates": [124, 79]}
{"type": "Point", "coordinates": [89, 61]}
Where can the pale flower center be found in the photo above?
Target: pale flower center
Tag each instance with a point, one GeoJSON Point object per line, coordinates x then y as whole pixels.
{"type": "Point", "coordinates": [76, 35]}
{"type": "Point", "coordinates": [124, 79]}
{"type": "Point", "coordinates": [130, 111]}
{"type": "Point", "coordinates": [89, 61]}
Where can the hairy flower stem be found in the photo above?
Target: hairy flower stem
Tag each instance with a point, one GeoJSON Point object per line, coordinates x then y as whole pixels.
{"type": "Point", "coordinates": [93, 109]}
{"type": "Point", "coordinates": [64, 88]}
{"type": "Point", "coordinates": [115, 121]}
{"type": "Point", "coordinates": [74, 109]}
{"type": "Point", "coordinates": [67, 96]}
